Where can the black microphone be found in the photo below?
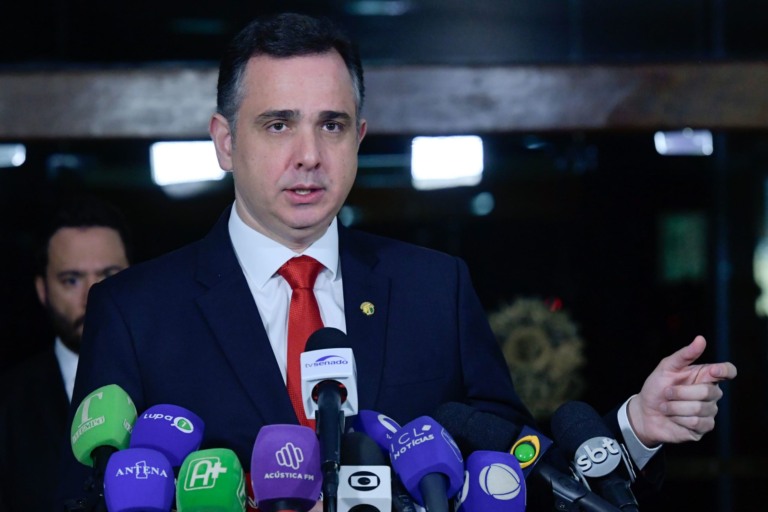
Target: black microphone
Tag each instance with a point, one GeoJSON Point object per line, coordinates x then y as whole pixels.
{"type": "Point", "coordinates": [329, 393]}
{"type": "Point", "coordinates": [598, 457]}
{"type": "Point", "coordinates": [545, 466]}
{"type": "Point", "coordinates": [365, 482]}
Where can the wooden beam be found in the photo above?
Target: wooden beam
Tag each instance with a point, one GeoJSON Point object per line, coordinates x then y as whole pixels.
{"type": "Point", "coordinates": [176, 102]}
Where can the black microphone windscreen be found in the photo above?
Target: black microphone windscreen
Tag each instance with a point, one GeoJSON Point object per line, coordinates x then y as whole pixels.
{"type": "Point", "coordinates": [476, 430]}
{"type": "Point", "coordinates": [575, 422]}
{"type": "Point", "coordinates": [327, 337]}
{"type": "Point", "coordinates": [358, 449]}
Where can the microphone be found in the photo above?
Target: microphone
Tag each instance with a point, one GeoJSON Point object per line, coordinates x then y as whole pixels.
{"type": "Point", "coordinates": [211, 479]}
{"type": "Point", "coordinates": [172, 430]}
{"type": "Point", "coordinates": [476, 430]}
{"type": "Point", "coordinates": [492, 481]}
{"type": "Point", "coordinates": [429, 463]}
{"type": "Point", "coordinates": [139, 479]}
{"type": "Point", "coordinates": [285, 468]}
{"type": "Point", "coordinates": [597, 457]}
{"type": "Point", "coordinates": [381, 429]}
{"type": "Point", "coordinates": [329, 393]}
{"type": "Point", "coordinates": [101, 426]}
{"type": "Point", "coordinates": [365, 483]}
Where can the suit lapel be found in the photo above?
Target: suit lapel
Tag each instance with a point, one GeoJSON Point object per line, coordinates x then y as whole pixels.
{"type": "Point", "coordinates": [50, 389]}
{"type": "Point", "coordinates": [366, 330]}
{"type": "Point", "coordinates": [231, 312]}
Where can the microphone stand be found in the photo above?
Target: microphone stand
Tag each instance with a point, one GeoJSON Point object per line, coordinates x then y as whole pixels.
{"type": "Point", "coordinates": [330, 422]}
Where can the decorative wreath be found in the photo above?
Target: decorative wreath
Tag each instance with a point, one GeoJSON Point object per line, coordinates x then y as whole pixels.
{"type": "Point", "coordinates": [543, 351]}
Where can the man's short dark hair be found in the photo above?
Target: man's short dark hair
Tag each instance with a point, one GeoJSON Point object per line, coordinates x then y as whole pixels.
{"type": "Point", "coordinates": [83, 211]}
{"type": "Point", "coordinates": [282, 35]}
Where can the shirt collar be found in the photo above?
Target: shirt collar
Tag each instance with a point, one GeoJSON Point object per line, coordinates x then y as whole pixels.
{"type": "Point", "coordinates": [67, 363]}
{"type": "Point", "coordinates": [260, 257]}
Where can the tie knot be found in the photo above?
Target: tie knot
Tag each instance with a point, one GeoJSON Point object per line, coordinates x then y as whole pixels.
{"type": "Point", "coordinates": [301, 272]}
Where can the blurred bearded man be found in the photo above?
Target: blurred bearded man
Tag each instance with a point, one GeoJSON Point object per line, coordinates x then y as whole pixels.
{"type": "Point", "coordinates": [85, 242]}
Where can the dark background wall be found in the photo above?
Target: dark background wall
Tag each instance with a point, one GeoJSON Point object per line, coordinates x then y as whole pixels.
{"type": "Point", "coordinates": [579, 214]}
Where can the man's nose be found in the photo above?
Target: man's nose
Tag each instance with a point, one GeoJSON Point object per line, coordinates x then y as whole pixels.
{"type": "Point", "coordinates": [307, 151]}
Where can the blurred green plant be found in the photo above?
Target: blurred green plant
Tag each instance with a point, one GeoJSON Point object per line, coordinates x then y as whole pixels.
{"type": "Point", "coordinates": [543, 351]}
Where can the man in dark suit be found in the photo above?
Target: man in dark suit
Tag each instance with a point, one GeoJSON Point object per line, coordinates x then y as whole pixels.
{"type": "Point", "coordinates": [86, 241]}
{"type": "Point", "coordinates": [205, 327]}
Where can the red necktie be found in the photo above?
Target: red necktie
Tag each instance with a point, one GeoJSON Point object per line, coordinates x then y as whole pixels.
{"type": "Point", "coordinates": [303, 320]}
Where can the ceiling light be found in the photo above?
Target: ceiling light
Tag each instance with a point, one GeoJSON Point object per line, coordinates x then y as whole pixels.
{"type": "Point", "coordinates": [686, 142]}
{"type": "Point", "coordinates": [442, 162]}
{"type": "Point", "coordinates": [12, 155]}
{"type": "Point", "coordinates": [176, 162]}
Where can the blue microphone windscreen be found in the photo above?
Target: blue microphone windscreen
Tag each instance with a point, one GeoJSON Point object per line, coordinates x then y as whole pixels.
{"type": "Point", "coordinates": [494, 481]}
{"type": "Point", "coordinates": [138, 479]}
{"type": "Point", "coordinates": [170, 429]}
{"type": "Point", "coordinates": [423, 447]}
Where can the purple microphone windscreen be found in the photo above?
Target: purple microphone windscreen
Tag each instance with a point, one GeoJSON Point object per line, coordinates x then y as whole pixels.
{"type": "Point", "coordinates": [575, 422]}
{"type": "Point", "coordinates": [423, 447]}
{"type": "Point", "coordinates": [170, 429]}
{"type": "Point", "coordinates": [377, 426]}
{"type": "Point", "coordinates": [138, 479]}
{"type": "Point", "coordinates": [285, 467]}
{"type": "Point", "coordinates": [493, 481]}
{"type": "Point", "coordinates": [327, 337]}
{"type": "Point", "coordinates": [357, 449]}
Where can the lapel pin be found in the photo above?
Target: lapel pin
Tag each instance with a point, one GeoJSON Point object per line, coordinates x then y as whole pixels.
{"type": "Point", "coordinates": [367, 308]}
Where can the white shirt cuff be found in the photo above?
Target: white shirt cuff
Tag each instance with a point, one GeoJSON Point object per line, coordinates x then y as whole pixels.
{"type": "Point", "coordinates": [639, 453]}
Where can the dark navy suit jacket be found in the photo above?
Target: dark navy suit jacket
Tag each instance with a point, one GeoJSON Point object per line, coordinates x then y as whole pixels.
{"type": "Point", "coordinates": [184, 329]}
{"type": "Point", "coordinates": [33, 423]}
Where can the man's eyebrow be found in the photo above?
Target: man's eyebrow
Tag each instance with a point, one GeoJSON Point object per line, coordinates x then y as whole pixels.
{"type": "Point", "coordinates": [329, 115]}
{"type": "Point", "coordinates": [286, 114]}
{"type": "Point", "coordinates": [69, 273]}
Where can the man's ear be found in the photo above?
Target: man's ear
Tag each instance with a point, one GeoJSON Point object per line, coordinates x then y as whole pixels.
{"type": "Point", "coordinates": [222, 140]}
{"type": "Point", "coordinates": [361, 132]}
{"type": "Point", "coordinates": [42, 292]}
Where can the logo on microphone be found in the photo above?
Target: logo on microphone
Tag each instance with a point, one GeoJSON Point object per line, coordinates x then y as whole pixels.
{"type": "Point", "coordinates": [526, 450]}
{"type": "Point", "coordinates": [86, 422]}
{"type": "Point", "coordinates": [181, 423]}
{"type": "Point", "coordinates": [388, 423]}
{"type": "Point", "coordinates": [410, 438]}
{"type": "Point", "coordinates": [598, 456]}
{"type": "Point", "coordinates": [500, 481]}
{"type": "Point", "coordinates": [203, 473]}
{"type": "Point", "coordinates": [141, 471]}
{"type": "Point", "coordinates": [364, 481]}
{"type": "Point", "coordinates": [289, 456]}
{"type": "Point", "coordinates": [329, 360]}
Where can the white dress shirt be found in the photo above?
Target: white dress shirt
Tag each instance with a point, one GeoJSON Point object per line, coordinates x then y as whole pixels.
{"type": "Point", "coordinates": [261, 257]}
{"type": "Point", "coordinates": [67, 364]}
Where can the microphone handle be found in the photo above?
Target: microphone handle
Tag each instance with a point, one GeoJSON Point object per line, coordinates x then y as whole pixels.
{"type": "Point", "coordinates": [329, 425]}
{"type": "Point", "coordinates": [617, 491]}
{"type": "Point", "coordinates": [434, 491]}
{"type": "Point", "coordinates": [283, 506]}
{"type": "Point", "coordinates": [568, 491]}
{"type": "Point", "coordinates": [100, 456]}
{"type": "Point", "coordinates": [401, 500]}
{"type": "Point", "coordinates": [330, 486]}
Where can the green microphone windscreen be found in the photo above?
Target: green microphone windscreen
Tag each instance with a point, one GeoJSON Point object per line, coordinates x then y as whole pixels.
{"type": "Point", "coordinates": [211, 480]}
{"type": "Point", "coordinates": [104, 418]}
